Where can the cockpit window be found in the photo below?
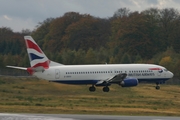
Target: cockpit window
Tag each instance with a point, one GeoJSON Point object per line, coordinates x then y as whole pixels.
{"type": "Point", "coordinates": [165, 70]}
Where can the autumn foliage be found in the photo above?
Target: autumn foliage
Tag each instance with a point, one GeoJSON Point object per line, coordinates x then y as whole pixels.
{"type": "Point", "coordinates": [150, 36]}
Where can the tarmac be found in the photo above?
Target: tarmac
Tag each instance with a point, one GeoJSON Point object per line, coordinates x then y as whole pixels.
{"type": "Point", "coordinates": [9, 116]}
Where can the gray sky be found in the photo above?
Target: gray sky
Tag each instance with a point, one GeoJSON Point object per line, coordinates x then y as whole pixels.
{"type": "Point", "coordinates": [26, 14]}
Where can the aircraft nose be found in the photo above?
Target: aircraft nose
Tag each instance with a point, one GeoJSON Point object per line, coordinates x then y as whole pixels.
{"type": "Point", "coordinates": [171, 74]}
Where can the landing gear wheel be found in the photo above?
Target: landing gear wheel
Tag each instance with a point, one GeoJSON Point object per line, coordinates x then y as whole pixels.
{"type": "Point", "coordinates": [106, 89]}
{"type": "Point", "coordinates": [157, 87]}
{"type": "Point", "coordinates": [92, 89]}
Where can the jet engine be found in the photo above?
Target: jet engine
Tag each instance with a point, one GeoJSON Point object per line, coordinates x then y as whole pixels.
{"type": "Point", "coordinates": [129, 82]}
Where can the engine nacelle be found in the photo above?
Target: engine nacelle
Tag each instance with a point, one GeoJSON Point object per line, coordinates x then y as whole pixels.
{"type": "Point", "coordinates": [129, 82]}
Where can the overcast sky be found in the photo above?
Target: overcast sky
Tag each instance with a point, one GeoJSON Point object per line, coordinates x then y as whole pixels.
{"type": "Point", "coordinates": [26, 14]}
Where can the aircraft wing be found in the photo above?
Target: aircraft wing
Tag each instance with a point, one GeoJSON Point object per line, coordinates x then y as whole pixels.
{"type": "Point", "coordinates": [115, 79]}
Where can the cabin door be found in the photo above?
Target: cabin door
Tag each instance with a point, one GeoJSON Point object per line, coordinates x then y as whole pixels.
{"type": "Point", "coordinates": [57, 74]}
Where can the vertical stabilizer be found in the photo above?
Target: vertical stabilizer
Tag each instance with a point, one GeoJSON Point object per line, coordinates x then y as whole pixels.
{"type": "Point", "coordinates": [37, 57]}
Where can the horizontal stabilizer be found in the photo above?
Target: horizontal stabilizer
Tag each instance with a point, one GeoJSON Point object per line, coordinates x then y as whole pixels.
{"type": "Point", "coordinates": [15, 67]}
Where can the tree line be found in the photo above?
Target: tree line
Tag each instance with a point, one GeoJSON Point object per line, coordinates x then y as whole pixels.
{"type": "Point", "coordinates": [150, 36]}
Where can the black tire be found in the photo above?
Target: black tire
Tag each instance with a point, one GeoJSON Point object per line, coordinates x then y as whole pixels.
{"type": "Point", "coordinates": [106, 89]}
{"type": "Point", "coordinates": [92, 89]}
{"type": "Point", "coordinates": [157, 87]}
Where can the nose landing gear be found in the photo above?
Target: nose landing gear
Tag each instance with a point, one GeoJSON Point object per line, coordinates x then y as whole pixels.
{"type": "Point", "coordinates": [157, 86]}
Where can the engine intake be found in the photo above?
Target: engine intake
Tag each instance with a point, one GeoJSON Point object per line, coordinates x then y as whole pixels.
{"type": "Point", "coordinates": [129, 82]}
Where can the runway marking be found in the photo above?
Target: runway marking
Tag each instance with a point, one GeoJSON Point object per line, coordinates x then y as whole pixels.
{"type": "Point", "coordinates": [16, 116]}
{"type": "Point", "coordinates": [157, 119]}
{"type": "Point", "coordinates": [8, 116]}
{"type": "Point", "coordinates": [160, 119]}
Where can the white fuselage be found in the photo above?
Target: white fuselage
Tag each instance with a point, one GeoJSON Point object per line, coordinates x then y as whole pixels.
{"type": "Point", "coordinates": [91, 74]}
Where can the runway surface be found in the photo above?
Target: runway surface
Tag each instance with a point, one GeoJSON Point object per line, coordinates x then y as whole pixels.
{"type": "Point", "coordinates": [8, 116]}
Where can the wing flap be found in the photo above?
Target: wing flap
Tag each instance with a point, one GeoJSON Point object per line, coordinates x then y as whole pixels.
{"type": "Point", "coordinates": [115, 79]}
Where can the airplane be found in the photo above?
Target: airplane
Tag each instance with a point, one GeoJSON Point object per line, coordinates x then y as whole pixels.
{"type": "Point", "coordinates": [125, 75]}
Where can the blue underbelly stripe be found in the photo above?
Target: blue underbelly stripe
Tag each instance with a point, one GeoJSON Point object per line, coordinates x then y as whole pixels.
{"type": "Point", "coordinates": [78, 82]}
{"type": "Point", "coordinates": [85, 82]}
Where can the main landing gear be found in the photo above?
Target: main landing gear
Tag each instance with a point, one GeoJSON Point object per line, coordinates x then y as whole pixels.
{"type": "Point", "coordinates": [106, 89]}
{"type": "Point", "coordinates": [157, 86]}
{"type": "Point", "coordinates": [92, 89]}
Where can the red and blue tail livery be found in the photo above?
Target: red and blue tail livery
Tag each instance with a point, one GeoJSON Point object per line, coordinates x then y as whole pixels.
{"type": "Point", "coordinates": [125, 75]}
{"type": "Point", "coordinates": [36, 55]}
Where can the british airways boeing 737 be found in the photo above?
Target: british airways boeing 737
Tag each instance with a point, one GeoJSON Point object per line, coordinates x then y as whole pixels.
{"type": "Point", "coordinates": [125, 75]}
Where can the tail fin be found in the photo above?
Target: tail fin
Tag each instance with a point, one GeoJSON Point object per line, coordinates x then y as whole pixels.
{"type": "Point", "coordinates": [37, 57]}
{"type": "Point", "coordinates": [38, 60]}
